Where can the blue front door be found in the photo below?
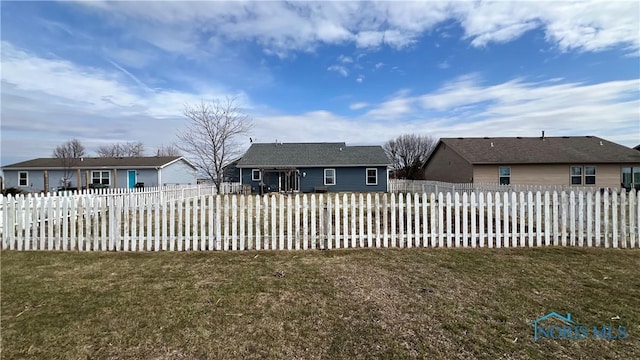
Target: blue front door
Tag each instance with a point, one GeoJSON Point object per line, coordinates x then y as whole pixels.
{"type": "Point", "coordinates": [131, 175]}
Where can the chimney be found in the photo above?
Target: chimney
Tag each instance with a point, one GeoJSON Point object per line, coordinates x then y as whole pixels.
{"type": "Point", "coordinates": [542, 135]}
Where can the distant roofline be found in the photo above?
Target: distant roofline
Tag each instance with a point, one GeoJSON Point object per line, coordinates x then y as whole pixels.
{"type": "Point", "coordinates": [79, 164]}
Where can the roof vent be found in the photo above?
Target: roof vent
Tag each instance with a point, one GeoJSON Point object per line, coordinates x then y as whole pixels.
{"type": "Point", "coordinates": [518, 137]}
{"type": "Point", "coordinates": [600, 142]}
{"type": "Point", "coordinates": [492, 144]}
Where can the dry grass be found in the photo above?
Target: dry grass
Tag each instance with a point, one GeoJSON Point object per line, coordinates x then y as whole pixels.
{"type": "Point", "coordinates": [411, 303]}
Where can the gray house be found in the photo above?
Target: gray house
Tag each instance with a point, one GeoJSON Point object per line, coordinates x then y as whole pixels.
{"type": "Point", "coordinates": [51, 174]}
{"type": "Point", "coordinates": [313, 167]}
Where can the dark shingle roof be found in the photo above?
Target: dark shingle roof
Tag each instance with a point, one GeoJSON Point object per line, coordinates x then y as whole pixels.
{"type": "Point", "coordinates": [96, 162]}
{"type": "Point", "coordinates": [279, 155]}
{"type": "Point", "coordinates": [537, 150]}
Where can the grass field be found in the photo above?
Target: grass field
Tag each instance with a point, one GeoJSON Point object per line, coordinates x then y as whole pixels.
{"type": "Point", "coordinates": [393, 304]}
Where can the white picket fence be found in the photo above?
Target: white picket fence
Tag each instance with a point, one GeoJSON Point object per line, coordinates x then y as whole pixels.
{"type": "Point", "coordinates": [146, 222]}
{"type": "Point", "coordinates": [167, 190]}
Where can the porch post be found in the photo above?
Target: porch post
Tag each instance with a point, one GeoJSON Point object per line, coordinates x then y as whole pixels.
{"type": "Point", "coordinates": [46, 181]}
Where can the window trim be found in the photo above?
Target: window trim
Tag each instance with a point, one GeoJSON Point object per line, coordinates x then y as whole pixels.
{"type": "Point", "coordinates": [632, 181]}
{"type": "Point", "coordinates": [500, 176]}
{"type": "Point", "coordinates": [366, 175]}
{"type": "Point", "coordinates": [335, 177]}
{"type": "Point", "coordinates": [594, 176]}
{"type": "Point", "coordinates": [579, 176]}
{"type": "Point", "coordinates": [253, 172]}
{"type": "Point", "coordinates": [100, 177]}
{"type": "Point", "coordinates": [26, 184]}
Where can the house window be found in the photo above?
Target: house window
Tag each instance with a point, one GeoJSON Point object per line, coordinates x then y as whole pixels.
{"type": "Point", "coordinates": [504, 175]}
{"type": "Point", "coordinates": [256, 175]}
{"type": "Point", "coordinates": [329, 176]}
{"type": "Point", "coordinates": [23, 178]}
{"type": "Point", "coordinates": [372, 176]}
{"type": "Point", "coordinates": [631, 178]}
{"type": "Point", "coordinates": [576, 175]}
{"type": "Point", "coordinates": [100, 177]}
{"type": "Point", "coordinates": [589, 175]}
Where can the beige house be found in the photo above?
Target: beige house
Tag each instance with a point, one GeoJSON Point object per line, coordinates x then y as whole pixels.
{"type": "Point", "coordinates": [567, 160]}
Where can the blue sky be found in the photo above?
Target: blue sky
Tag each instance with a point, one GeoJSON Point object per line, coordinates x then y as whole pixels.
{"type": "Point", "coordinates": [359, 72]}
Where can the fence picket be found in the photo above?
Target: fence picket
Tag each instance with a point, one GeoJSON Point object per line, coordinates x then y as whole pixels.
{"type": "Point", "coordinates": [456, 213]}
{"type": "Point", "coordinates": [314, 234]}
{"type": "Point", "coordinates": [345, 221]}
{"type": "Point", "coordinates": [547, 222]}
{"type": "Point", "coordinates": [305, 222]}
{"type": "Point", "coordinates": [633, 224]}
{"type": "Point", "coordinates": [580, 219]}
{"type": "Point", "coordinates": [538, 211]}
{"type": "Point", "coordinates": [497, 222]}
{"type": "Point", "coordinates": [360, 221]}
{"type": "Point", "coordinates": [297, 221]}
{"type": "Point", "coordinates": [393, 209]}
{"type": "Point", "coordinates": [474, 208]}
{"type": "Point", "coordinates": [505, 210]}
{"type": "Point", "coordinates": [328, 210]}
{"type": "Point", "coordinates": [289, 223]}
{"type": "Point", "coordinates": [369, 208]}
{"type": "Point", "coordinates": [614, 219]}
{"type": "Point", "coordinates": [489, 221]}
{"type": "Point", "coordinates": [280, 222]}
{"type": "Point", "coordinates": [385, 220]}
{"type": "Point", "coordinates": [377, 216]}
{"type": "Point", "coordinates": [409, 218]}
{"type": "Point", "coordinates": [481, 233]}
{"type": "Point", "coordinates": [605, 213]}
{"type": "Point", "coordinates": [623, 219]}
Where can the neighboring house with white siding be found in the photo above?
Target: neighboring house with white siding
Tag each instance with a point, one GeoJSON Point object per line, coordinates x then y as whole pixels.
{"type": "Point", "coordinates": [99, 172]}
{"type": "Point", "coordinates": [566, 160]}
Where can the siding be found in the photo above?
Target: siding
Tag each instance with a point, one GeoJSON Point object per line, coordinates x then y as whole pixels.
{"type": "Point", "coordinates": [446, 165]}
{"type": "Point", "coordinates": [178, 172]}
{"type": "Point", "coordinates": [347, 179]}
{"type": "Point", "coordinates": [607, 175]}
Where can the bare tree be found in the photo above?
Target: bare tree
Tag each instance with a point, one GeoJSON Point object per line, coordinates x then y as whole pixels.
{"type": "Point", "coordinates": [69, 154]}
{"type": "Point", "coordinates": [127, 149]}
{"type": "Point", "coordinates": [210, 136]}
{"type": "Point", "coordinates": [168, 150]}
{"type": "Point", "coordinates": [408, 154]}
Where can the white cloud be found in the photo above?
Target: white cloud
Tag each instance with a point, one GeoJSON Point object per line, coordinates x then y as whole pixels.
{"type": "Point", "coordinates": [358, 105]}
{"type": "Point", "coordinates": [339, 69]}
{"type": "Point", "coordinates": [188, 27]}
{"type": "Point", "coordinates": [345, 59]}
{"type": "Point", "coordinates": [54, 100]}
{"type": "Point", "coordinates": [468, 107]}
{"type": "Point", "coordinates": [444, 65]}
{"type": "Point", "coordinates": [398, 106]}
{"type": "Point", "coordinates": [360, 79]}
